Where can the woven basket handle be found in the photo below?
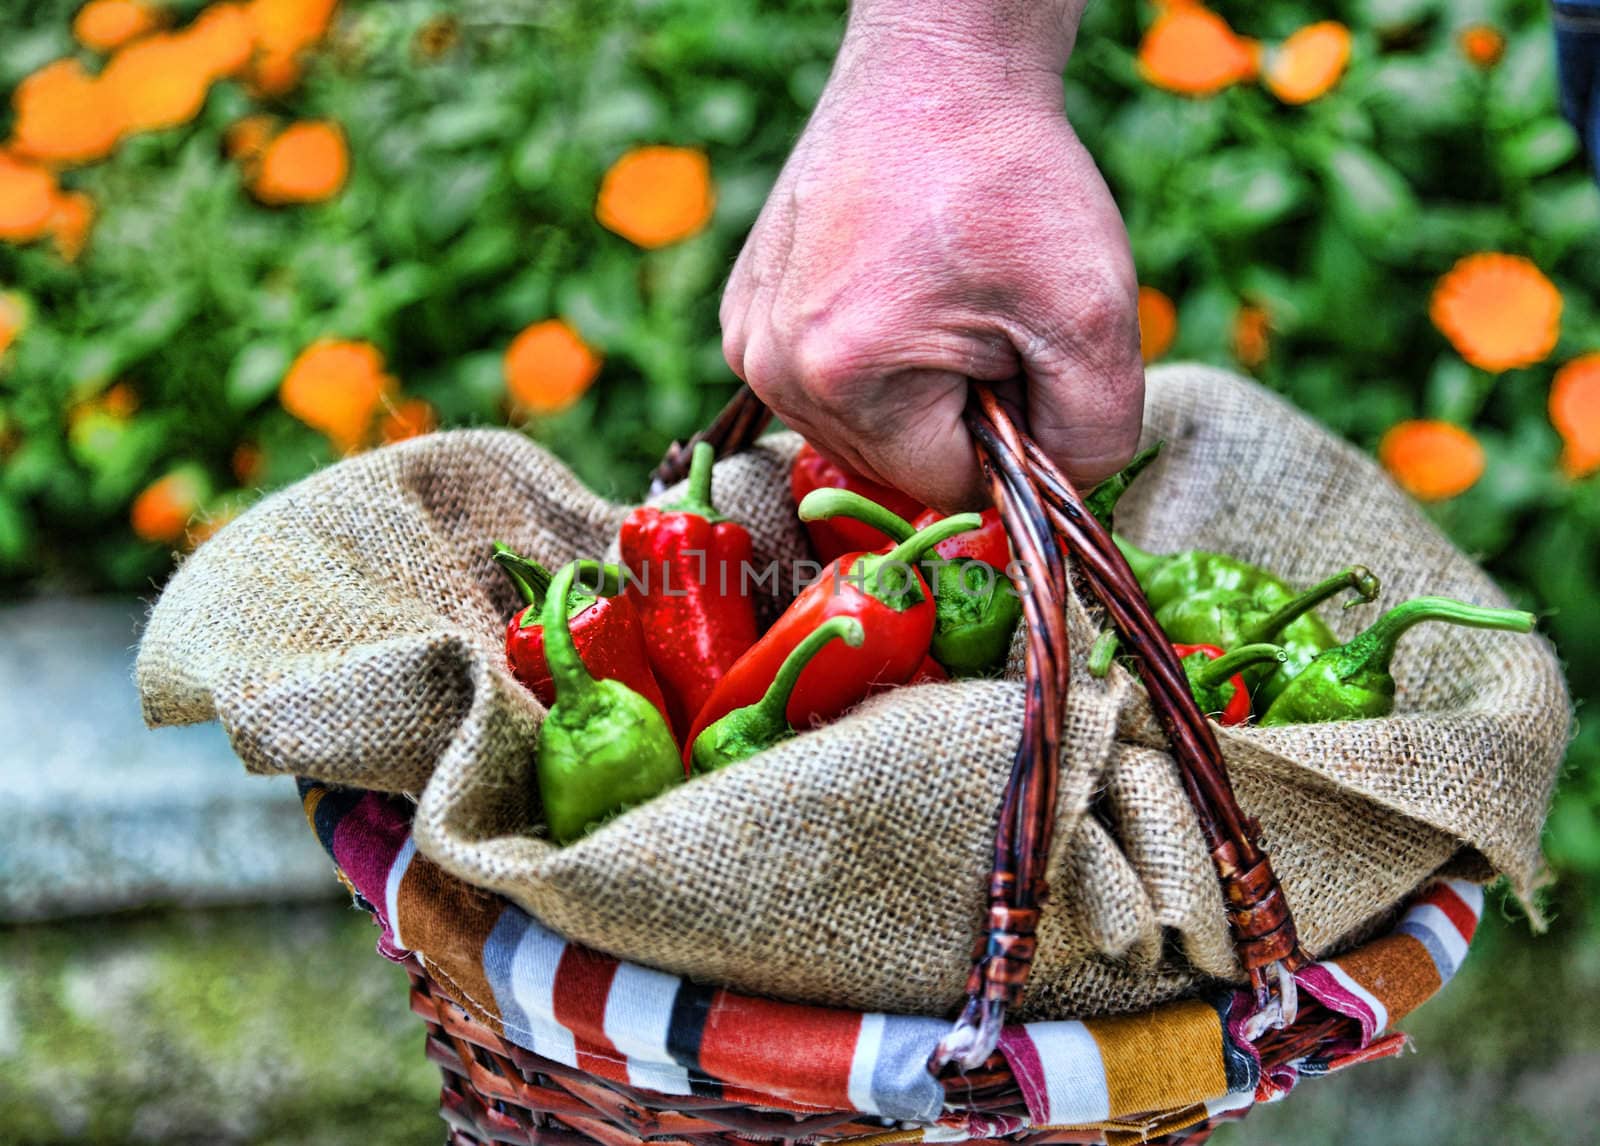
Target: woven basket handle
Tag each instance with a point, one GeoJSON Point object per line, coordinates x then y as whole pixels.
{"type": "Point", "coordinates": [1045, 519]}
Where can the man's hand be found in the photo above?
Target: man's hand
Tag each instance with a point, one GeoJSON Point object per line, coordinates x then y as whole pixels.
{"type": "Point", "coordinates": [939, 221]}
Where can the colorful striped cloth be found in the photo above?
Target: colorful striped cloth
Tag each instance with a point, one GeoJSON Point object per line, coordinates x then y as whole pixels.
{"type": "Point", "coordinates": [1130, 1077]}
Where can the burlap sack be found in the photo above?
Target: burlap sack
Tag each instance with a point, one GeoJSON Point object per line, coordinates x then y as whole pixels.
{"type": "Point", "coordinates": [350, 629]}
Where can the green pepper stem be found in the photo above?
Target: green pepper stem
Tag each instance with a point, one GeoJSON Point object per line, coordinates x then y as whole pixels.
{"type": "Point", "coordinates": [1377, 643]}
{"type": "Point", "coordinates": [912, 549]}
{"type": "Point", "coordinates": [822, 504]}
{"type": "Point", "coordinates": [774, 705]}
{"type": "Point", "coordinates": [696, 497]}
{"type": "Point", "coordinates": [1103, 652]}
{"type": "Point", "coordinates": [1357, 577]}
{"type": "Point", "coordinates": [1143, 563]}
{"type": "Point", "coordinates": [575, 685]}
{"type": "Point", "coordinates": [1216, 673]}
{"type": "Point", "coordinates": [531, 579]}
{"type": "Point", "coordinates": [1103, 498]}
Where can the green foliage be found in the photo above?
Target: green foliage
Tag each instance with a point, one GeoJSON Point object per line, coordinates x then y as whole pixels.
{"type": "Point", "coordinates": [469, 214]}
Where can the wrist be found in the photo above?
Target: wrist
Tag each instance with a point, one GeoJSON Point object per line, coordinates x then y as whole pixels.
{"type": "Point", "coordinates": [1020, 46]}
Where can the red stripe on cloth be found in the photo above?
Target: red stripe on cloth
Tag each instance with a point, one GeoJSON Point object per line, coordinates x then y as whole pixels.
{"type": "Point", "coordinates": [803, 1053]}
{"type": "Point", "coordinates": [1442, 896]}
{"type": "Point", "coordinates": [582, 986]}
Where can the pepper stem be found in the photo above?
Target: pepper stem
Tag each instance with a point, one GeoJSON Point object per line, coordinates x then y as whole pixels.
{"type": "Point", "coordinates": [822, 504]}
{"type": "Point", "coordinates": [774, 705]}
{"type": "Point", "coordinates": [575, 685]}
{"type": "Point", "coordinates": [1375, 646]}
{"type": "Point", "coordinates": [1103, 652]}
{"type": "Point", "coordinates": [1357, 577]}
{"type": "Point", "coordinates": [696, 497]}
{"type": "Point", "coordinates": [531, 579]}
{"type": "Point", "coordinates": [1102, 499]}
{"type": "Point", "coordinates": [1216, 673]}
{"type": "Point", "coordinates": [912, 549]}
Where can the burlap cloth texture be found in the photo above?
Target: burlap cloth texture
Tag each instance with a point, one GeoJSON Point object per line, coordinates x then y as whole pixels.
{"type": "Point", "coordinates": [350, 629]}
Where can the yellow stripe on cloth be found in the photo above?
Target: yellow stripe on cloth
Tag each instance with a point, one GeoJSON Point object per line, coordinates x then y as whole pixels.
{"type": "Point", "coordinates": [1163, 1060]}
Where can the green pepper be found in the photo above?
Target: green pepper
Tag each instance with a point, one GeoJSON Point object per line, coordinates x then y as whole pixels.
{"type": "Point", "coordinates": [1168, 577]}
{"type": "Point", "coordinates": [603, 748]}
{"type": "Point", "coordinates": [1215, 678]}
{"type": "Point", "coordinates": [975, 608]}
{"type": "Point", "coordinates": [1352, 681]}
{"type": "Point", "coordinates": [751, 729]}
{"type": "Point", "coordinates": [1267, 613]}
{"type": "Point", "coordinates": [1103, 498]}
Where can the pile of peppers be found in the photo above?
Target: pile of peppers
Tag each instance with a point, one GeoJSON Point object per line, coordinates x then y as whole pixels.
{"type": "Point", "coordinates": [656, 670]}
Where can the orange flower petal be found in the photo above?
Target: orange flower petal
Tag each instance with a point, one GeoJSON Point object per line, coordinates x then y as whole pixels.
{"type": "Point", "coordinates": [1252, 329]}
{"type": "Point", "coordinates": [70, 222]}
{"type": "Point", "coordinates": [1431, 460]}
{"type": "Point", "coordinates": [162, 510]}
{"type": "Point", "coordinates": [1308, 63]}
{"type": "Point", "coordinates": [1482, 45]}
{"type": "Point", "coordinates": [336, 387]}
{"type": "Point", "coordinates": [105, 25]}
{"type": "Point", "coordinates": [548, 367]}
{"type": "Point", "coordinates": [1498, 311]}
{"type": "Point", "coordinates": [653, 196]}
{"type": "Point", "coordinates": [284, 27]}
{"type": "Point", "coordinates": [27, 199]}
{"type": "Point", "coordinates": [1191, 50]}
{"type": "Point", "coordinates": [1158, 323]}
{"type": "Point", "coordinates": [305, 163]}
{"type": "Point", "coordinates": [63, 116]}
{"type": "Point", "coordinates": [222, 39]}
{"type": "Point", "coordinates": [1575, 413]}
{"type": "Point", "coordinates": [408, 419]}
{"type": "Point", "coordinates": [247, 138]}
{"type": "Point", "coordinates": [155, 83]}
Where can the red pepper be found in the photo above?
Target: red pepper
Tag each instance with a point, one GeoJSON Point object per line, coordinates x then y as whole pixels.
{"type": "Point", "coordinates": [1212, 673]}
{"type": "Point", "coordinates": [687, 564]}
{"type": "Point", "coordinates": [929, 671]}
{"type": "Point", "coordinates": [606, 631]}
{"type": "Point", "coordinates": [839, 536]}
{"type": "Point", "coordinates": [895, 614]}
{"type": "Point", "coordinates": [988, 543]}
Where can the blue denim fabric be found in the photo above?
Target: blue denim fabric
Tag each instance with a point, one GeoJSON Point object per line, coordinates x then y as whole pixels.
{"type": "Point", "coordinates": [1577, 25]}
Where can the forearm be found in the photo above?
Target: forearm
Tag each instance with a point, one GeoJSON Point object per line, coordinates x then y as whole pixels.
{"type": "Point", "coordinates": [1023, 44]}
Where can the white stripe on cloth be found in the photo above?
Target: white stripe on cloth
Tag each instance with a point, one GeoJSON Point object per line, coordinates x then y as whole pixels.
{"type": "Point", "coordinates": [1074, 1073]}
{"type": "Point", "coordinates": [1230, 1102]}
{"type": "Point", "coordinates": [865, 1063]}
{"type": "Point", "coordinates": [1380, 1013]}
{"type": "Point", "coordinates": [638, 1013]}
{"type": "Point", "coordinates": [1471, 894]}
{"type": "Point", "coordinates": [533, 981]}
{"type": "Point", "coordinates": [391, 888]}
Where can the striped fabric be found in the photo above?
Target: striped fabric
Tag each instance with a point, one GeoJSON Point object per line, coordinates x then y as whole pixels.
{"type": "Point", "coordinates": [1128, 1078]}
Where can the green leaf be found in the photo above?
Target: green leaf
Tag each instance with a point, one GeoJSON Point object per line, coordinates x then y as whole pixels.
{"type": "Point", "coordinates": [1368, 195]}
{"type": "Point", "coordinates": [1248, 190]}
{"type": "Point", "coordinates": [255, 374]}
{"type": "Point", "coordinates": [1538, 148]}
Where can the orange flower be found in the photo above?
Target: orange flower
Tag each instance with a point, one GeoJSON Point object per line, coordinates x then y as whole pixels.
{"type": "Point", "coordinates": [1192, 51]}
{"type": "Point", "coordinates": [1431, 460]}
{"type": "Point", "coordinates": [27, 199]}
{"type": "Point", "coordinates": [336, 387]}
{"type": "Point", "coordinates": [247, 138]}
{"type": "Point", "coordinates": [222, 39]}
{"type": "Point", "coordinates": [1252, 328]}
{"type": "Point", "coordinates": [653, 196]}
{"type": "Point", "coordinates": [1308, 63]}
{"type": "Point", "coordinates": [287, 26]}
{"type": "Point", "coordinates": [408, 419]}
{"type": "Point", "coordinates": [1482, 44]}
{"type": "Point", "coordinates": [1158, 323]}
{"type": "Point", "coordinates": [548, 367]}
{"type": "Point", "coordinates": [274, 74]}
{"type": "Point", "coordinates": [162, 510]}
{"type": "Point", "coordinates": [62, 116]}
{"type": "Point", "coordinates": [13, 318]}
{"type": "Point", "coordinates": [305, 163]}
{"type": "Point", "coordinates": [71, 219]}
{"type": "Point", "coordinates": [1575, 413]}
{"type": "Point", "coordinates": [158, 82]}
{"type": "Point", "coordinates": [1498, 311]}
{"type": "Point", "coordinates": [105, 25]}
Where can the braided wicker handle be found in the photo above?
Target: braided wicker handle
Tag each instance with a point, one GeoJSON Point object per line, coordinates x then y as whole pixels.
{"type": "Point", "coordinates": [1045, 519]}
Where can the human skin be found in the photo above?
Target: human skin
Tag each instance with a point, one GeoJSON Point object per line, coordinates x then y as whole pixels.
{"type": "Point", "coordinates": [939, 221]}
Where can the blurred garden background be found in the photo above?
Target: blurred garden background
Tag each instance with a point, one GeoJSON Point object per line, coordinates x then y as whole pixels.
{"type": "Point", "coordinates": [241, 240]}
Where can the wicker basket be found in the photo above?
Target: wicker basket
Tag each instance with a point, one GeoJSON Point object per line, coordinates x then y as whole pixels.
{"type": "Point", "coordinates": [497, 1091]}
